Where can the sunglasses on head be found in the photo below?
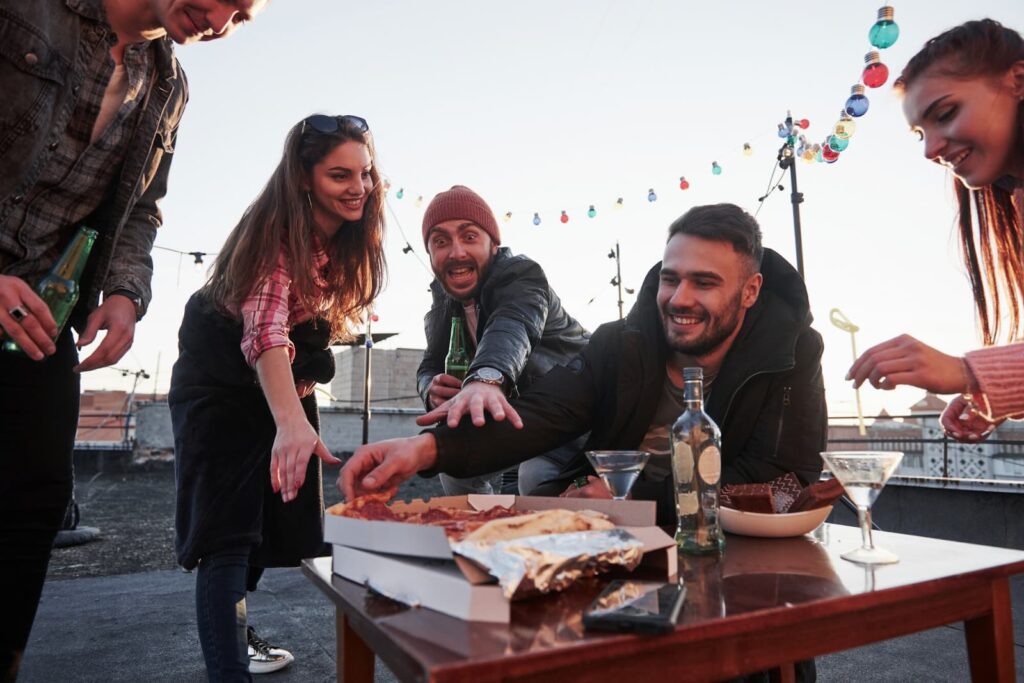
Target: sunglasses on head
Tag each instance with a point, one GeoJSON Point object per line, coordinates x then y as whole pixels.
{"type": "Point", "coordinates": [322, 123]}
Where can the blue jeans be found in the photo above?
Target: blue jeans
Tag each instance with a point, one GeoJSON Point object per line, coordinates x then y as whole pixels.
{"type": "Point", "coordinates": [221, 582]}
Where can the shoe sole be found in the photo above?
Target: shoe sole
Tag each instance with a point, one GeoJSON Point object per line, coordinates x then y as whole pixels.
{"type": "Point", "coordinates": [270, 667]}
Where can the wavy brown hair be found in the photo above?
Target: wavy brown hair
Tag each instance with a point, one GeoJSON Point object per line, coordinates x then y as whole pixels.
{"type": "Point", "coordinates": [994, 257]}
{"type": "Point", "coordinates": [281, 217]}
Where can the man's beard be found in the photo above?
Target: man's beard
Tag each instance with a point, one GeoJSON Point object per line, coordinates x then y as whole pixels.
{"type": "Point", "coordinates": [718, 330]}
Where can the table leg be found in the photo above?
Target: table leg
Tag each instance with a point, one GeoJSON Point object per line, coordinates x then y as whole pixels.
{"type": "Point", "coordinates": [990, 638]}
{"type": "Point", "coordinates": [354, 658]}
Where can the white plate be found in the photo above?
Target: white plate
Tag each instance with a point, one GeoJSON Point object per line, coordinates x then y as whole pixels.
{"type": "Point", "coordinates": [772, 526]}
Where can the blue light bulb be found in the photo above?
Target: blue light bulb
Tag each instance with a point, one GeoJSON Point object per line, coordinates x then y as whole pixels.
{"type": "Point", "coordinates": [837, 143]}
{"type": "Point", "coordinates": [400, 193]}
{"type": "Point", "coordinates": [591, 212]}
{"type": "Point", "coordinates": [536, 219]}
{"type": "Point", "coordinates": [651, 197]}
{"type": "Point", "coordinates": [857, 104]}
{"type": "Point", "coordinates": [715, 168]}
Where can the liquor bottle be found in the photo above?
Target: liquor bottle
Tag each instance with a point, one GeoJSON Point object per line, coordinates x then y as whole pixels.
{"type": "Point", "coordinates": [59, 288]}
{"type": "Point", "coordinates": [696, 470]}
{"type": "Point", "coordinates": [456, 363]}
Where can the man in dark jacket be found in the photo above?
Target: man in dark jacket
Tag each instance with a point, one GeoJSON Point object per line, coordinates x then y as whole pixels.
{"type": "Point", "coordinates": [717, 301]}
{"type": "Point", "coordinates": [92, 97]}
{"type": "Point", "coordinates": [515, 322]}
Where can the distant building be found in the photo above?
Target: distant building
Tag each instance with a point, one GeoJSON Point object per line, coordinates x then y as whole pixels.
{"type": "Point", "coordinates": [926, 450]}
{"type": "Point", "coordinates": [102, 419]}
{"type": "Point", "coordinates": [392, 378]}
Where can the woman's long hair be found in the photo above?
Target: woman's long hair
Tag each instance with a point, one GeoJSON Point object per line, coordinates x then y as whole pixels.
{"type": "Point", "coordinates": [281, 217]}
{"type": "Point", "coordinates": [994, 257]}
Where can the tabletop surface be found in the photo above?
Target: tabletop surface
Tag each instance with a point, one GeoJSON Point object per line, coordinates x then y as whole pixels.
{"type": "Point", "coordinates": [755, 579]}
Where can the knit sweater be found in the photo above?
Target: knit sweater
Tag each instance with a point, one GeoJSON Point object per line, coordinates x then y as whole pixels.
{"type": "Point", "coordinates": [999, 371]}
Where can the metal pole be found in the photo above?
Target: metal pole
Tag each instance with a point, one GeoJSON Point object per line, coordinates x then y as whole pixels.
{"type": "Point", "coordinates": [366, 383]}
{"type": "Point", "coordinates": [796, 198]}
{"type": "Point", "coordinates": [618, 276]}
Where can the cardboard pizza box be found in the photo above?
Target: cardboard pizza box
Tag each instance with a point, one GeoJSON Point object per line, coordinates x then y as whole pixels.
{"type": "Point", "coordinates": [414, 563]}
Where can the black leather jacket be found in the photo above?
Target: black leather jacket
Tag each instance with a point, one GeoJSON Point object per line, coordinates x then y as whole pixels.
{"type": "Point", "coordinates": [768, 398]}
{"type": "Point", "coordinates": [522, 329]}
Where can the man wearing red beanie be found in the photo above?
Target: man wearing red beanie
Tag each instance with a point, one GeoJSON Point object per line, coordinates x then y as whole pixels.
{"type": "Point", "coordinates": [516, 327]}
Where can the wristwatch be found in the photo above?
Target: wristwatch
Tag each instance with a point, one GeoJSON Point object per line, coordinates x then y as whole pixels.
{"type": "Point", "coordinates": [140, 307]}
{"type": "Point", "coordinates": [487, 376]}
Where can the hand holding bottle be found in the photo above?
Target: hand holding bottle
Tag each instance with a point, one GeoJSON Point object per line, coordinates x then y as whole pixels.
{"type": "Point", "coordinates": [35, 330]}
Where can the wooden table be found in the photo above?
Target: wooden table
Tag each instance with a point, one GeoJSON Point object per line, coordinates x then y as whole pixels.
{"type": "Point", "coordinates": [765, 604]}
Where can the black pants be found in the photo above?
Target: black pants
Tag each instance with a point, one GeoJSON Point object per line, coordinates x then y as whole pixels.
{"type": "Point", "coordinates": [38, 418]}
{"type": "Point", "coordinates": [222, 580]}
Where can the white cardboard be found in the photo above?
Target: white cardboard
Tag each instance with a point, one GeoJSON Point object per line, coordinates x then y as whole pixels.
{"type": "Point", "coordinates": [437, 585]}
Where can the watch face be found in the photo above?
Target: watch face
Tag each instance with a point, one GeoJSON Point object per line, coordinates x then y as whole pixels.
{"type": "Point", "coordinates": [489, 374]}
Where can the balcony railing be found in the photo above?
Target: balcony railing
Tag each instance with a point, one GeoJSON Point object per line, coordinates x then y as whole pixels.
{"type": "Point", "coordinates": [933, 459]}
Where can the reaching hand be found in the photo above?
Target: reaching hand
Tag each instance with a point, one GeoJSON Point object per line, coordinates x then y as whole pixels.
{"type": "Point", "coordinates": [476, 398]}
{"type": "Point", "coordinates": [116, 315]}
{"type": "Point", "coordinates": [293, 445]}
{"type": "Point", "coordinates": [594, 488]}
{"type": "Point", "coordinates": [25, 318]}
{"type": "Point", "coordinates": [905, 360]}
{"type": "Point", "coordinates": [961, 421]}
{"type": "Point", "coordinates": [442, 388]}
{"type": "Point", "coordinates": [386, 464]}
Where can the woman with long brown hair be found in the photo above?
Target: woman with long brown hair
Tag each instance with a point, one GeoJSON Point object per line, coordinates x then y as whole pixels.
{"type": "Point", "coordinates": [964, 95]}
{"type": "Point", "coordinates": [298, 272]}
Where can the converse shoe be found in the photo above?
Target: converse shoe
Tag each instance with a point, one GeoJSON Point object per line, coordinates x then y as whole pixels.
{"type": "Point", "coordinates": [264, 657]}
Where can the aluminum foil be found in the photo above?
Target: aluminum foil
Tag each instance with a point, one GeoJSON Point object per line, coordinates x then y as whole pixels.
{"type": "Point", "coordinates": [543, 564]}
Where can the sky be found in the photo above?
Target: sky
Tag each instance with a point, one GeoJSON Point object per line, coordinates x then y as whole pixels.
{"type": "Point", "coordinates": [545, 107]}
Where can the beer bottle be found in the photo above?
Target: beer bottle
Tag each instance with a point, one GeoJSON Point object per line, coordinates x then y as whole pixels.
{"type": "Point", "coordinates": [696, 470]}
{"type": "Point", "coordinates": [456, 363]}
{"type": "Point", "coordinates": [59, 288]}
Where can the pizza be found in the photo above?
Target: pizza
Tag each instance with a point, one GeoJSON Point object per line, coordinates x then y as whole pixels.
{"type": "Point", "coordinates": [498, 523]}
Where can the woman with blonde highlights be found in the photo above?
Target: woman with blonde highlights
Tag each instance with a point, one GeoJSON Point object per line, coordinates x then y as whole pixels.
{"type": "Point", "coordinates": [298, 272]}
{"type": "Point", "coordinates": [964, 96]}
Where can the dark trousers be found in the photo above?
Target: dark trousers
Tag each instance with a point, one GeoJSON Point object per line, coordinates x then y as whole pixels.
{"type": "Point", "coordinates": [222, 580]}
{"type": "Point", "coordinates": [38, 419]}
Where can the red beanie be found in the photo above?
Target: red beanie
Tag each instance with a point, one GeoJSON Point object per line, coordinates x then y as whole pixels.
{"type": "Point", "coordinates": [460, 202]}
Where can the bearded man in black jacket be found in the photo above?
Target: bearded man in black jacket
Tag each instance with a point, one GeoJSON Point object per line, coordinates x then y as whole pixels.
{"type": "Point", "coordinates": [719, 301]}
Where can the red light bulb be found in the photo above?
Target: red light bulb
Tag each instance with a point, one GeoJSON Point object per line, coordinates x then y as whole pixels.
{"type": "Point", "coordinates": [875, 73]}
{"type": "Point", "coordinates": [828, 154]}
{"type": "Point", "coordinates": [804, 123]}
{"type": "Point", "coordinates": [684, 184]}
{"type": "Point", "coordinates": [565, 217]}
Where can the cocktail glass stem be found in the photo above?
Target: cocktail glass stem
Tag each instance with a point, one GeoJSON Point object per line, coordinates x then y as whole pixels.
{"type": "Point", "coordinates": [864, 516]}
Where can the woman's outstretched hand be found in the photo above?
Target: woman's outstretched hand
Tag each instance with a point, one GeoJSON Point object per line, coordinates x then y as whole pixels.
{"type": "Point", "coordinates": [905, 360]}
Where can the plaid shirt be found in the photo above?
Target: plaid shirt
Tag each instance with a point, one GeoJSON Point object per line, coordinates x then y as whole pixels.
{"type": "Point", "coordinates": [271, 309]}
{"type": "Point", "coordinates": [77, 178]}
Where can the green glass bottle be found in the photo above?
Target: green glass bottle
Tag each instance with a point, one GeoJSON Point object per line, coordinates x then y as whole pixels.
{"type": "Point", "coordinates": [59, 288]}
{"type": "Point", "coordinates": [456, 363]}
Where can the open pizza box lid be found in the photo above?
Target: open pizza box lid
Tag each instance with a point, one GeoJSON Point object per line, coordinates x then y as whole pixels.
{"type": "Point", "coordinates": [411, 541]}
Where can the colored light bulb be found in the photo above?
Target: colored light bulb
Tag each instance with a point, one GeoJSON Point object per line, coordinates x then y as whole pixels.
{"type": "Point", "coordinates": [684, 184]}
{"type": "Point", "coordinates": [828, 154]}
{"type": "Point", "coordinates": [387, 185]}
{"type": "Point", "coordinates": [715, 168]}
{"type": "Point", "coordinates": [783, 131]}
{"type": "Point", "coordinates": [845, 127]}
{"type": "Point", "coordinates": [875, 73]}
{"type": "Point", "coordinates": [818, 155]}
{"type": "Point", "coordinates": [591, 212]}
{"type": "Point", "coordinates": [808, 155]}
{"type": "Point", "coordinates": [804, 123]}
{"type": "Point", "coordinates": [857, 104]}
{"type": "Point", "coordinates": [565, 217]}
{"type": "Point", "coordinates": [508, 216]}
{"type": "Point", "coordinates": [618, 203]}
{"type": "Point", "coordinates": [400, 193]}
{"type": "Point", "coordinates": [747, 149]}
{"type": "Point", "coordinates": [885, 32]}
{"type": "Point", "coordinates": [837, 143]}
{"type": "Point", "coordinates": [419, 200]}
{"type": "Point", "coordinates": [536, 219]}
{"type": "Point", "coordinates": [651, 197]}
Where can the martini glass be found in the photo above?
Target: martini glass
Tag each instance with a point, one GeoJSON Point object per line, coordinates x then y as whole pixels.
{"type": "Point", "coordinates": [863, 475]}
{"type": "Point", "coordinates": [618, 469]}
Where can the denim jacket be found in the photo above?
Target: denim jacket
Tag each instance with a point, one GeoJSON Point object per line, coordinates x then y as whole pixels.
{"type": "Point", "coordinates": [40, 76]}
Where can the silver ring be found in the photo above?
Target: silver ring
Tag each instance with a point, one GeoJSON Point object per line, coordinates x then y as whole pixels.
{"type": "Point", "coordinates": [18, 313]}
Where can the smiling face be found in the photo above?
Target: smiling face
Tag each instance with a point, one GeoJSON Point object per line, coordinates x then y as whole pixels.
{"type": "Point", "coordinates": [460, 252]}
{"type": "Point", "coordinates": [192, 21]}
{"type": "Point", "coordinates": [339, 186]}
{"type": "Point", "coordinates": [704, 291]}
{"type": "Point", "coordinates": [969, 124]}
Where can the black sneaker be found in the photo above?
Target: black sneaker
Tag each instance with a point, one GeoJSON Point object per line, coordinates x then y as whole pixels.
{"type": "Point", "coordinates": [264, 657]}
